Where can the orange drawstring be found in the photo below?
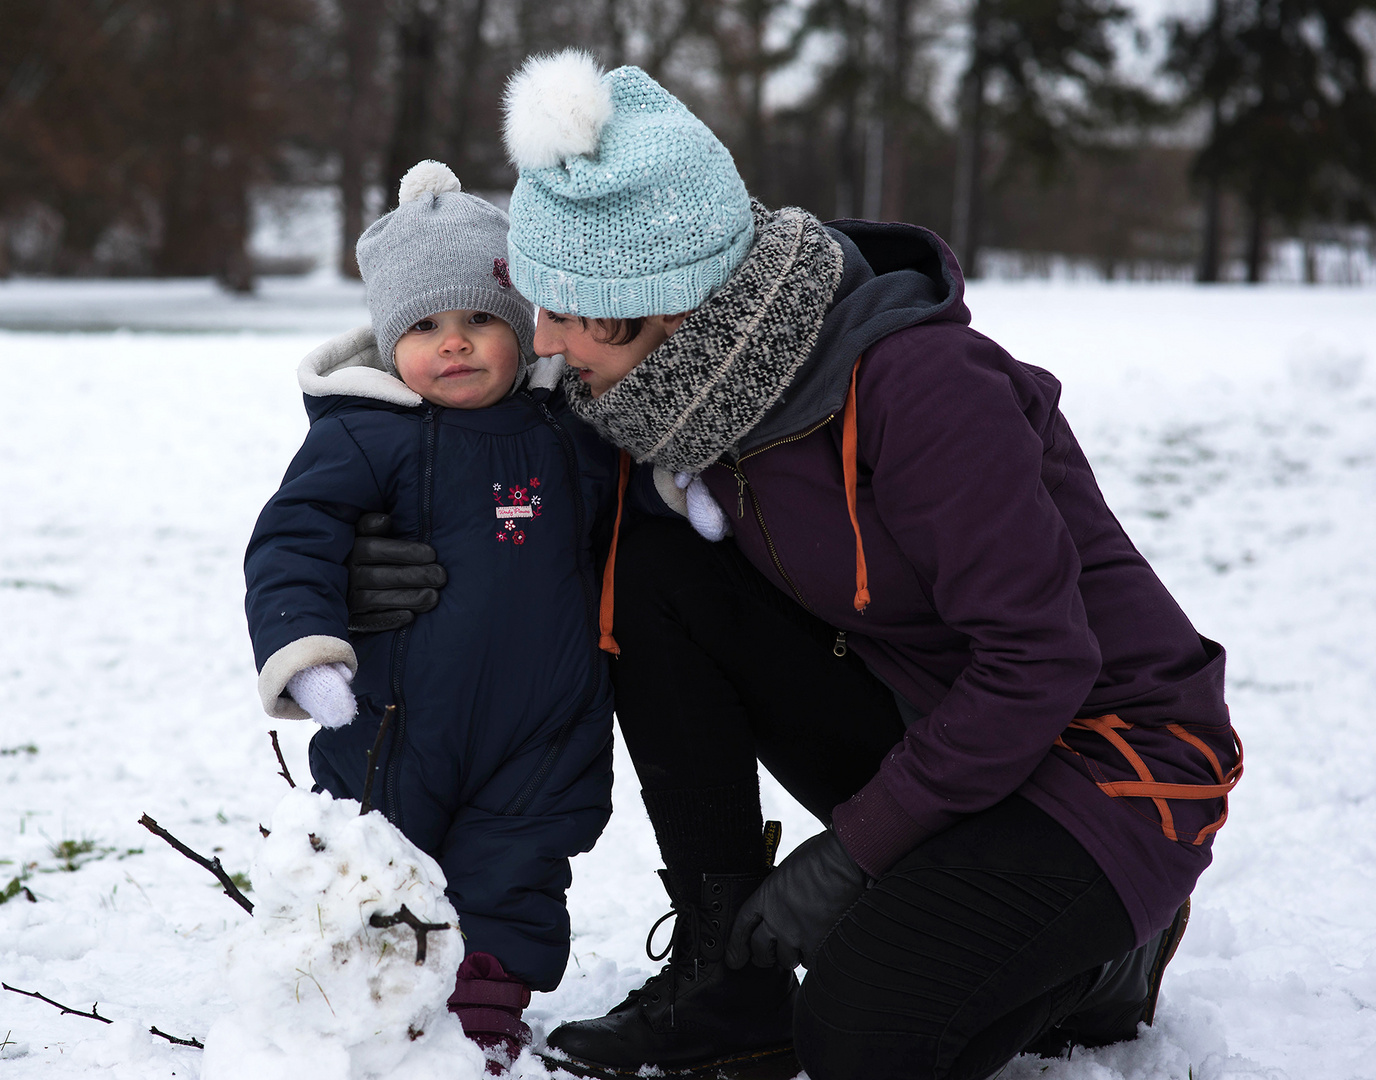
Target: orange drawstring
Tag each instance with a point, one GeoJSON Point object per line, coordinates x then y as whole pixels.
{"type": "Point", "coordinates": [607, 643]}
{"type": "Point", "coordinates": [1147, 786]}
{"type": "Point", "coordinates": [849, 439]}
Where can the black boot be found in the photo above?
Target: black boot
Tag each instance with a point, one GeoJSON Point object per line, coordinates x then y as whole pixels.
{"type": "Point", "coordinates": [1120, 995]}
{"type": "Point", "coordinates": [697, 1013]}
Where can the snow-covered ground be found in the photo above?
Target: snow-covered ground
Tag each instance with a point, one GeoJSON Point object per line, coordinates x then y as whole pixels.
{"type": "Point", "coordinates": [1233, 430]}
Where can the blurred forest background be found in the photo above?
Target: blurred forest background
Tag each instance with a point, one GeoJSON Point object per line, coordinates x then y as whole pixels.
{"type": "Point", "coordinates": [141, 137]}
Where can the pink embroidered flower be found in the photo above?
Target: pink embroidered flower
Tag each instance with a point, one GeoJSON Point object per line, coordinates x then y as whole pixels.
{"type": "Point", "coordinates": [518, 495]}
{"type": "Point", "coordinates": [534, 481]}
{"type": "Point", "coordinates": [501, 273]}
{"type": "Point", "coordinates": [501, 536]}
{"type": "Point", "coordinates": [518, 537]}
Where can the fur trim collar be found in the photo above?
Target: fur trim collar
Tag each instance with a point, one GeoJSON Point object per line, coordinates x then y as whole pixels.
{"type": "Point", "coordinates": [351, 366]}
{"type": "Point", "coordinates": [696, 396]}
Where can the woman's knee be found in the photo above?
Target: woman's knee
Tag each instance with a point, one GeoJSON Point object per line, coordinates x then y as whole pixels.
{"type": "Point", "coordinates": [830, 1046]}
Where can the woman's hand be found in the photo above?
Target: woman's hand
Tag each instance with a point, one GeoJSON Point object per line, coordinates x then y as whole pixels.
{"type": "Point", "coordinates": [788, 917]}
{"type": "Point", "coordinates": [390, 581]}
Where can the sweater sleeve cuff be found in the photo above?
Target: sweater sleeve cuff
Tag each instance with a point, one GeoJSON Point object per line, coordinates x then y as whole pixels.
{"type": "Point", "coordinates": [674, 497]}
{"type": "Point", "coordinates": [288, 660]}
{"type": "Point", "coordinates": [875, 829]}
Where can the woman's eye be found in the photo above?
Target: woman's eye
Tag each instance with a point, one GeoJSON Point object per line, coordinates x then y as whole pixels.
{"type": "Point", "coordinates": [425, 326]}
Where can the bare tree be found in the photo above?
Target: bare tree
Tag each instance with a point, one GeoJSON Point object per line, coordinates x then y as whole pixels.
{"type": "Point", "coordinates": [1044, 76]}
{"type": "Point", "coordinates": [360, 28]}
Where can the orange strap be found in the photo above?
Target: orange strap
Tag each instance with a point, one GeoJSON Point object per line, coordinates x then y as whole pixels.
{"type": "Point", "coordinates": [849, 440]}
{"type": "Point", "coordinates": [606, 642]}
{"type": "Point", "coordinates": [1146, 786]}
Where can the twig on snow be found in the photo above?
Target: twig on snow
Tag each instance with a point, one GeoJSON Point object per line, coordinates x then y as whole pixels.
{"type": "Point", "coordinates": [213, 865]}
{"type": "Point", "coordinates": [405, 915]}
{"type": "Point", "coordinates": [94, 1015]}
{"type": "Point", "coordinates": [173, 1039]}
{"type": "Point", "coordinates": [285, 774]}
{"type": "Point", "coordinates": [372, 766]}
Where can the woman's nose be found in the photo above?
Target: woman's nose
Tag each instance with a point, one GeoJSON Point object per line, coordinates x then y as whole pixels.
{"type": "Point", "coordinates": [546, 341]}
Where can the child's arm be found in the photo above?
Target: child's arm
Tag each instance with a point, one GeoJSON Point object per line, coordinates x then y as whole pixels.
{"type": "Point", "coordinates": [296, 577]}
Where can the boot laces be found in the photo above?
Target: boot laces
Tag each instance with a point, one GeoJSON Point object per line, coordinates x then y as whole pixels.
{"type": "Point", "coordinates": [676, 968]}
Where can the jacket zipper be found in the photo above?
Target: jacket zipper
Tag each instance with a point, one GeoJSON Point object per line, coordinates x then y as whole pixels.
{"type": "Point", "coordinates": [429, 437]}
{"type": "Point", "coordinates": [742, 483]}
{"type": "Point", "coordinates": [565, 732]}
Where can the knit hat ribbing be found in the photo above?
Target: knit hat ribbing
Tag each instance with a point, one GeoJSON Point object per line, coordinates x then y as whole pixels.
{"type": "Point", "coordinates": [441, 249]}
{"type": "Point", "coordinates": [627, 204]}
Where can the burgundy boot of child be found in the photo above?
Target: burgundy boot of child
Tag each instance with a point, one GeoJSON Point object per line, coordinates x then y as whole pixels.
{"type": "Point", "coordinates": [488, 1002]}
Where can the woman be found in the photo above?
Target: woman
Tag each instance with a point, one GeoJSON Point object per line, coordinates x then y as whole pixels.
{"type": "Point", "coordinates": [929, 626]}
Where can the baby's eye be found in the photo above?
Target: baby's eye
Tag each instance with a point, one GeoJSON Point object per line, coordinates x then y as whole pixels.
{"type": "Point", "coordinates": [480, 318]}
{"type": "Point", "coordinates": [424, 326]}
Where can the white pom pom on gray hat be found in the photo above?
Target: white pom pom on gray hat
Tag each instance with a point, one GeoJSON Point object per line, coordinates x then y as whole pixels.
{"type": "Point", "coordinates": [556, 107]}
{"type": "Point", "coordinates": [427, 176]}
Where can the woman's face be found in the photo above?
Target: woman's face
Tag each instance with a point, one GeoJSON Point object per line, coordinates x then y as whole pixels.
{"type": "Point", "coordinates": [582, 343]}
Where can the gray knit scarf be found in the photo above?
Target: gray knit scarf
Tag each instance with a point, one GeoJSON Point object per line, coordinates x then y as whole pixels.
{"type": "Point", "coordinates": [698, 394]}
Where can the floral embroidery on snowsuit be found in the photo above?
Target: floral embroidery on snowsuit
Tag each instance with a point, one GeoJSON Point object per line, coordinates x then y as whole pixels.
{"type": "Point", "coordinates": [517, 504]}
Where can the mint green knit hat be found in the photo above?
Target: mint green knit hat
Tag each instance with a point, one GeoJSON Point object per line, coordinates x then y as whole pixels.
{"type": "Point", "coordinates": [627, 204]}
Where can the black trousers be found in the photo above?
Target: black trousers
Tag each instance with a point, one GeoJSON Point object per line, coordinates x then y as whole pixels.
{"type": "Point", "coordinates": [963, 952]}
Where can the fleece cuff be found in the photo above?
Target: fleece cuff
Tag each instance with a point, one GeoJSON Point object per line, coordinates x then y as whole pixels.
{"type": "Point", "coordinates": [675, 498]}
{"type": "Point", "coordinates": [288, 660]}
{"type": "Point", "coordinates": [875, 829]}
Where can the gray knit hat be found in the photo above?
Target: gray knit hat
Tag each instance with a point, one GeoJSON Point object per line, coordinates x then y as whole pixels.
{"type": "Point", "coordinates": [441, 249]}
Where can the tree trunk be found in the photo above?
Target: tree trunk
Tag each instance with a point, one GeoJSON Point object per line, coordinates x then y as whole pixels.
{"type": "Point", "coordinates": [1213, 190]}
{"type": "Point", "coordinates": [873, 206]}
{"type": "Point", "coordinates": [754, 113]}
{"type": "Point", "coordinates": [893, 199]}
{"type": "Point", "coordinates": [844, 206]}
{"type": "Point", "coordinates": [1256, 241]}
{"type": "Point", "coordinates": [362, 24]}
{"type": "Point", "coordinates": [965, 213]}
{"type": "Point", "coordinates": [1209, 254]}
{"type": "Point", "coordinates": [416, 33]}
{"type": "Point", "coordinates": [461, 130]}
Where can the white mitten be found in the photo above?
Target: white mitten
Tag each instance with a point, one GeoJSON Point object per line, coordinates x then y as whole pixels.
{"type": "Point", "coordinates": [323, 691]}
{"type": "Point", "coordinates": [706, 517]}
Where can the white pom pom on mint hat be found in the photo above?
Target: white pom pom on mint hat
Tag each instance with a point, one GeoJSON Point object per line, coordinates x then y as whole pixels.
{"type": "Point", "coordinates": [556, 107]}
{"type": "Point", "coordinates": [424, 177]}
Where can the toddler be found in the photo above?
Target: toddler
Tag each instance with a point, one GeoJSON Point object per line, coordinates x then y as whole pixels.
{"type": "Point", "coordinates": [498, 760]}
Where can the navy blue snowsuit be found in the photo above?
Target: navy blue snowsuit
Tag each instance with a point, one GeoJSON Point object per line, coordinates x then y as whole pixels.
{"type": "Point", "coordinates": [499, 762]}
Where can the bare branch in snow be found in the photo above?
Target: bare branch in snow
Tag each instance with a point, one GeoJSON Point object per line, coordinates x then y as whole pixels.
{"type": "Point", "coordinates": [213, 865]}
{"type": "Point", "coordinates": [405, 916]}
{"type": "Point", "coordinates": [285, 774]}
{"type": "Point", "coordinates": [372, 767]}
{"type": "Point", "coordinates": [94, 1015]}
{"type": "Point", "coordinates": [173, 1039]}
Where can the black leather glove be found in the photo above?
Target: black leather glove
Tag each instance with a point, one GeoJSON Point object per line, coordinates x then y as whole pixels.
{"type": "Point", "coordinates": [390, 581]}
{"type": "Point", "coordinates": [786, 919]}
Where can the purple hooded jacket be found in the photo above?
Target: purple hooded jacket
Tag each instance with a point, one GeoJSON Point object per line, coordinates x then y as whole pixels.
{"type": "Point", "coordinates": [1006, 599]}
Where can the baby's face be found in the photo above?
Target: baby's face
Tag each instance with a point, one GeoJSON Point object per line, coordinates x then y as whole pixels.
{"type": "Point", "coordinates": [459, 359]}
